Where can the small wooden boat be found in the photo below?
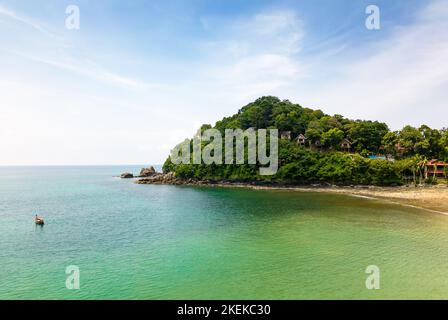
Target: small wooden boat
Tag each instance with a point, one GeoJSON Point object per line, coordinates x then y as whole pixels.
{"type": "Point", "coordinates": [39, 220]}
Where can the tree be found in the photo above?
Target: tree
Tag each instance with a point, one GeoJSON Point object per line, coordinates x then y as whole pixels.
{"type": "Point", "coordinates": [383, 172]}
{"type": "Point", "coordinates": [390, 141]}
{"type": "Point", "coordinates": [410, 138]}
{"type": "Point", "coordinates": [258, 113]}
{"type": "Point", "coordinates": [332, 138]}
{"type": "Point", "coordinates": [300, 165]}
{"type": "Point", "coordinates": [443, 142]}
{"type": "Point", "coordinates": [337, 168]}
{"type": "Point", "coordinates": [430, 143]}
{"type": "Point", "coordinates": [314, 131]}
{"type": "Point", "coordinates": [367, 135]}
{"type": "Point", "coordinates": [421, 164]}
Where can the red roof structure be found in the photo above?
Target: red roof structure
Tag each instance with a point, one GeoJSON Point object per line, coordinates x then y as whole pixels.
{"type": "Point", "coordinates": [436, 168]}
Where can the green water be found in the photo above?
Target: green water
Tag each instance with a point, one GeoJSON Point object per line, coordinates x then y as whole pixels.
{"type": "Point", "coordinates": [165, 242]}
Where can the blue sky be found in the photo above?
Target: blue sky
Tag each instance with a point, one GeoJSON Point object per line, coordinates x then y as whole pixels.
{"type": "Point", "coordinates": [139, 76]}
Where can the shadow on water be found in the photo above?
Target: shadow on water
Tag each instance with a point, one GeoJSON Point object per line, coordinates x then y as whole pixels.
{"type": "Point", "coordinates": [38, 227]}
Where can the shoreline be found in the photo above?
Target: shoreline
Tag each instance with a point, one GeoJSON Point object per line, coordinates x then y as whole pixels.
{"type": "Point", "coordinates": [433, 198]}
{"type": "Point", "coordinates": [430, 198]}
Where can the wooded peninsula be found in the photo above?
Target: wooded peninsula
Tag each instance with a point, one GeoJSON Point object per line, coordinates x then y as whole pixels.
{"type": "Point", "coordinates": [316, 148]}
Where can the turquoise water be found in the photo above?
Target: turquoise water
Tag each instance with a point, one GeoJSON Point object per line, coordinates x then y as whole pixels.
{"type": "Point", "coordinates": [166, 242]}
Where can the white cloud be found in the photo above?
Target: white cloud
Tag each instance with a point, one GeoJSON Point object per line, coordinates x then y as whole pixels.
{"type": "Point", "coordinates": [279, 32]}
{"type": "Point", "coordinates": [276, 32]}
{"type": "Point", "coordinates": [254, 76]}
{"type": "Point", "coordinates": [24, 20]}
{"type": "Point", "coordinates": [256, 56]}
{"type": "Point", "coordinates": [402, 79]}
{"type": "Point", "coordinates": [120, 117]}
{"type": "Point", "coordinates": [260, 68]}
{"type": "Point", "coordinates": [54, 51]}
{"type": "Point", "coordinates": [92, 71]}
{"type": "Point", "coordinates": [437, 10]}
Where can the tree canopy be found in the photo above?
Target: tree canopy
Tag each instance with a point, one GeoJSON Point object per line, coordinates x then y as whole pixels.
{"type": "Point", "coordinates": [304, 164]}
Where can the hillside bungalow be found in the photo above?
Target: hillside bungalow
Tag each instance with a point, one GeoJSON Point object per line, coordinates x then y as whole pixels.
{"type": "Point", "coordinates": [435, 168]}
{"type": "Point", "coordinates": [346, 145]}
{"type": "Point", "coordinates": [301, 140]}
{"type": "Point", "coordinates": [285, 135]}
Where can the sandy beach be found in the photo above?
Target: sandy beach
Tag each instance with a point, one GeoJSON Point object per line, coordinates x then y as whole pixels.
{"type": "Point", "coordinates": [434, 198]}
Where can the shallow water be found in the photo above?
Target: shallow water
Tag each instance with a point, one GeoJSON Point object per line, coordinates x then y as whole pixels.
{"type": "Point", "coordinates": [166, 242]}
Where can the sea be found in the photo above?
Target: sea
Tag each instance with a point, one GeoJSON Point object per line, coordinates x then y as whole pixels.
{"type": "Point", "coordinates": [109, 238]}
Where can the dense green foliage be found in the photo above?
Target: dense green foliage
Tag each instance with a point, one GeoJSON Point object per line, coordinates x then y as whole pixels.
{"type": "Point", "coordinates": [306, 164]}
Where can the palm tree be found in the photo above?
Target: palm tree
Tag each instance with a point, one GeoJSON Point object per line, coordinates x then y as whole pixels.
{"type": "Point", "coordinates": [435, 171]}
{"type": "Point", "coordinates": [420, 168]}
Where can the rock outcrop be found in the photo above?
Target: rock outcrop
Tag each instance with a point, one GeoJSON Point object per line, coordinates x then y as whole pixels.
{"type": "Point", "coordinates": [160, 178]}
{"type": "Point", "coordinates": [126, 175]}
{"type": "Point", "coordinates": [147, 172]}
{"type": "Point", "coordinates": [171, 179]}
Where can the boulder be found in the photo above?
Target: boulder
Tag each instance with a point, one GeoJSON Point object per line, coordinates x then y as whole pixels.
{"type": "Point", "coordinates": [126, 175]}
{"type": "Point", "coordinates": [147, 172]}
{"type": "Point", "coordinates": [160, 178]}
{"type": "Point", "coordinates": [170, 175]}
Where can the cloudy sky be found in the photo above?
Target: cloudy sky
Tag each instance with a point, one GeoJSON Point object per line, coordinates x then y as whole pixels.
{"type": "Point", "coordinates": [140, 76]}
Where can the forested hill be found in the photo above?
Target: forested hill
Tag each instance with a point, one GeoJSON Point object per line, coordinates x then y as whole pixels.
{"type": "Point", "coordinates": [316, 147]}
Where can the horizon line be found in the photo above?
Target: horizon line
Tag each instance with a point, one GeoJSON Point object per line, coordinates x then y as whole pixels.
{"type": "Point", "coordinates": [75, 165]}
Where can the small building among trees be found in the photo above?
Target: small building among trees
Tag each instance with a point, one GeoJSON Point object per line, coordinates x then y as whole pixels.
{"type": "Point", "coordinates": [285, 135]}
{"type": "Point", "coordinates": [436, 168]}
{"type": "Point", "coordinates": [301, 140]}
{"type": "Point", "coordinates": [346, 145]}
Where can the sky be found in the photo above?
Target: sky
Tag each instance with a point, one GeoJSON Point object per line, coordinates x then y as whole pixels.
{"type": "Point", "coordinates": [138, 77]}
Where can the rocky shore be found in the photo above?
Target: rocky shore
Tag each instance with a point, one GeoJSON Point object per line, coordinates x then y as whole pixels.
{"type": "Point", "coordinates": [161, 178]}
{"type": "Point", "coordinates": [145, 172]}
{"type": "Point", "coordinates": [171, 179]}
{"type": "Point", "coordinates": [151, 176]}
